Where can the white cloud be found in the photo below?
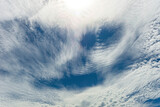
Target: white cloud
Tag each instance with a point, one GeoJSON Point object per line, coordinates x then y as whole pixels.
{"type": "Point", "coordinates": [137, 17]}
{"type": "Point", "coordinates": [11, 9]}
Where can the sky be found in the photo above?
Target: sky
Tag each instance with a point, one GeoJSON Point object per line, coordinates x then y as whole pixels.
{"type": "Point", "coordinates": [80, 53]}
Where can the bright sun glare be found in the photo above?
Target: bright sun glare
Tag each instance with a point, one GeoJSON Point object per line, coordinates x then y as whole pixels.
{"type": "Point", "coordinates": [78, 5]}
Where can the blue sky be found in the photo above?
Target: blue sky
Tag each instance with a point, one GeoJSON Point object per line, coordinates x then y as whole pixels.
{"type": "Point", "coordinates": [86, 53]}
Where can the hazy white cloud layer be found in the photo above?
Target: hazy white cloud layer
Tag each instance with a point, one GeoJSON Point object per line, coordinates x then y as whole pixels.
{"type": "Point", "coordinates": [27, 52]}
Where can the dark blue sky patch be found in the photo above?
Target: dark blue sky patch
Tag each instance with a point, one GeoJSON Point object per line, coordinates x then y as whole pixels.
{"type": "Point", "coordinates": [122, 63]}
{"type": "Point", "coordinates": [36, 34]}
{"type": "Point", "coordinates": [153, 102]}
{"type": "Point", "coordinates": [46, 41]}
{"type": "Point", "coordinates": [105, 36]}
{"type": "Point", "coordinates": [71, 81]}
{"type": "Point", "coordinates": [109, 35]}
{"type": "Point", "coordinates": [88, 40]}
{"type": "Point", "coordinates": [80, 61]}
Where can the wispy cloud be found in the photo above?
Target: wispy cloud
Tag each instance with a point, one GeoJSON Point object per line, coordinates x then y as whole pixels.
{"type": "Point", "coordinates": [38, 38]}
